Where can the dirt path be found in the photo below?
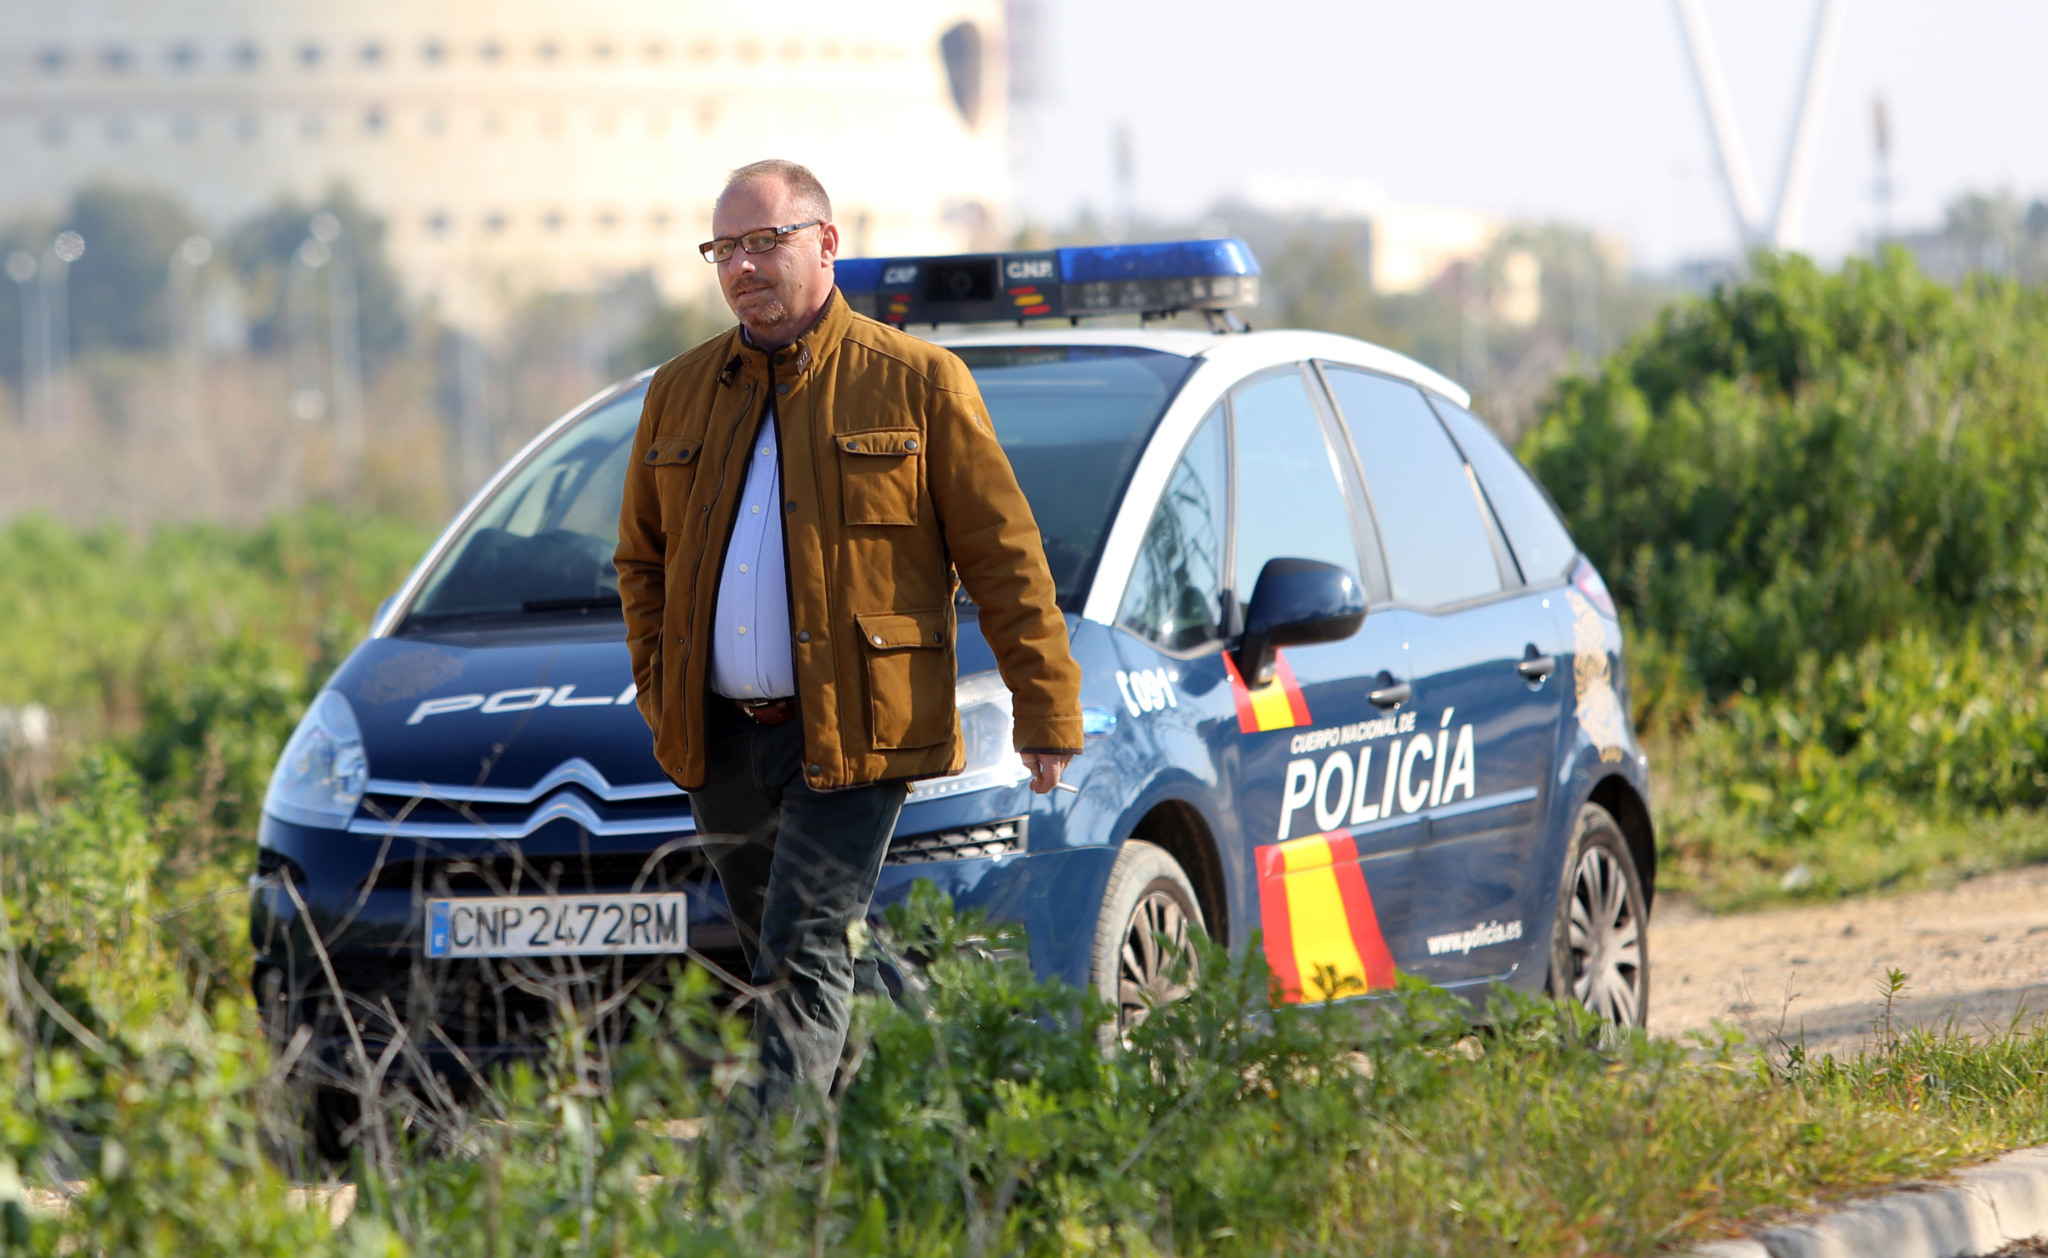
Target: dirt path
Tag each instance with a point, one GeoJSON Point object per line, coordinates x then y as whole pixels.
{"type": "Point", "coordinates": [1977, 952]}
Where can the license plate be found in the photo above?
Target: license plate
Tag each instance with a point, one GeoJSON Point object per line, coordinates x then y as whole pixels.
{"type": "Point", "coordinates": [558, 925]}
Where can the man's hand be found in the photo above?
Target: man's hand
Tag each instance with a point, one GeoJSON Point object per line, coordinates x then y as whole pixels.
{"type": "Point", "coordinates": [1046, 769]}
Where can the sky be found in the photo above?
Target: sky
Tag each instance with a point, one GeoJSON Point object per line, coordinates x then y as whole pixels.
{"type": "Point", "coordinates": [1577, 110]}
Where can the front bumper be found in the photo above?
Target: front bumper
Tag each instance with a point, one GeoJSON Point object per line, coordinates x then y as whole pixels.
{"type": "Point", "coordinates": [338, 923]}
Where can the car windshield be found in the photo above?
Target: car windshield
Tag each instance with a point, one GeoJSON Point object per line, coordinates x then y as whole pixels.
{"type": "Point", "coordinates": [1073, 420]}
{"type": "Point", "coordinates": [544, 541]}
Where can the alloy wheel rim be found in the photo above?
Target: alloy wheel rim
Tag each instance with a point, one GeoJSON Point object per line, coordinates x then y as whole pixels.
{"type": "Point", "coordinates": [1157, 962]}
{"type": "Point", "coordinates": [1606, 939]}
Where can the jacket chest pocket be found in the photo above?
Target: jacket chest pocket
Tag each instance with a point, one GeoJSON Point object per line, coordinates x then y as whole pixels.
{"type": "Point", "coordinates": [879, 473]}
{"type": "Point", "coordinates": [910, 678]}
{"type": "Point", "coordinates": [674, 460]}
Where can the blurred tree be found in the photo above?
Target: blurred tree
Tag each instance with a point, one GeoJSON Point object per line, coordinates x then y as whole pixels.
{"type": "Point", "coordinates": [261, 251]}
{"type": "Point", "coordinates": [1990, 232]}
{"type": "Point", "coordinates": [1316, 278]}
{"type": "Point", "coordinates": [117, 288]}
{"type": "Point", "coordinates": [669, 329]}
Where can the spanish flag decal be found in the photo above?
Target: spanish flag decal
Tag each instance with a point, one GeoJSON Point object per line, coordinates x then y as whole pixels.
{"type": "Point", "coordinates": [1317, 915]}
{"type": "Point", "coordinates": [1276, 705]}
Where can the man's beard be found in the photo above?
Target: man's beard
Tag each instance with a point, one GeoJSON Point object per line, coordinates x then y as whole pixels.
{"type": "Point", "coordinates": [772, 314]}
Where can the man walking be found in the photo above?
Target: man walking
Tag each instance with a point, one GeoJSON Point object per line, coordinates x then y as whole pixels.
{"type": "Point", "coordinates": [801, 492]}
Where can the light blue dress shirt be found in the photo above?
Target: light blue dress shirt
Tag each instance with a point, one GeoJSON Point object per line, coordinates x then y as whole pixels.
{"type": "Point", "coordinates": [750, 649]}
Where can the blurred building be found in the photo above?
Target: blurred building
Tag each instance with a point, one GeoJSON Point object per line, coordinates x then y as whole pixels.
{"type": "Point", "coordinates": [1414, 245]}
{"type": "Point", "coordinates": [1991, 233]}
{"type": "Point", "coordinates": [1407, 247]}
{"type": "Point", "coordinates": [516, 145]}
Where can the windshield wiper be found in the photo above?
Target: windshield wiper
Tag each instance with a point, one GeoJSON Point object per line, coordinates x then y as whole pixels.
{"type": "Point", "coordinates": [602, 602]}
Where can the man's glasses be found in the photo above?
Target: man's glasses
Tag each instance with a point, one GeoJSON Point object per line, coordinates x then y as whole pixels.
{"type": "Point", "coordinates": [753, 242]}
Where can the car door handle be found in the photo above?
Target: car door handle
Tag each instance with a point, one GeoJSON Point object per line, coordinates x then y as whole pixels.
{"type": "Point", "coordinates": [1391, 696]}
{"type": "Point", "coordinates": [1537, 667]}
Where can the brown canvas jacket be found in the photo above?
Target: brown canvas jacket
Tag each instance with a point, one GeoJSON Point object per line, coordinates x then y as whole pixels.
{"type": "Point", "coordinates": [892, 481]}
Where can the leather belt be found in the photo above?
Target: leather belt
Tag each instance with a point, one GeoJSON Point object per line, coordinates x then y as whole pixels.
{"type": "Point", "coordinates": [766, 711]}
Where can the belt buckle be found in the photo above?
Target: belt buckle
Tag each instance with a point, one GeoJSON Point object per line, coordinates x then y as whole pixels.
{"type": "Point", "coordinates": [755, 709]}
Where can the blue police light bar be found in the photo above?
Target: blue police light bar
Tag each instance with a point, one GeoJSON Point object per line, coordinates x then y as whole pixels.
{"type": "Point", "coordinates": [1145, 280]}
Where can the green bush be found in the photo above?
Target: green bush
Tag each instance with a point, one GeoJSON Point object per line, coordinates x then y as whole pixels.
{"type": "Point", "coordinates": [1821, 501]}
{"type": "Point", "coordinates": [197, 646]}
{"type": "Point", "coordinates": [1805, 462]}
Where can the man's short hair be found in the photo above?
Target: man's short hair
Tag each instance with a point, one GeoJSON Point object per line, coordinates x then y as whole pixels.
{"type": "Point", "coordinates": [810, 194]}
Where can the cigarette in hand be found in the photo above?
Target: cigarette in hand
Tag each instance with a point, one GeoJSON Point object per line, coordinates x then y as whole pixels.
{"type": "Point", "coordinates": [1066, 786]}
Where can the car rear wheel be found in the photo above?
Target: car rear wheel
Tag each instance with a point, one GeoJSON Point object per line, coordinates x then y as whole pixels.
{"type": "Point", "coordinates": [1599, 948]}
{"type": "Point", "coordinates": [1144, 939]}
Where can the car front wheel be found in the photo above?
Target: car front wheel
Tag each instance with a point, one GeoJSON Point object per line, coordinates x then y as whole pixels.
{"type": "Point", "coordinates": [1599, 948]}
{"type": "Point", "coordinates": [1144, 940]}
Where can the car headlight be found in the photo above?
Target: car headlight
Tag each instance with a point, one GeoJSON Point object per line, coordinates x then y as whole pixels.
{"type": "Point", "coordinates": [320, 777]}
{"type": "Point", "coordinates": [985, 726]}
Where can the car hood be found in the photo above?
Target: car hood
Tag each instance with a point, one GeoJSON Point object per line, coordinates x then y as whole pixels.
{"type": "Point", "coordinates": [507, 714]}
{"type": "Point", "coordinates": [502, 716]}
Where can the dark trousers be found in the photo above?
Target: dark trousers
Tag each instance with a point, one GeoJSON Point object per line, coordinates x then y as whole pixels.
{"type": "Point", "coordinates": [799, 869]}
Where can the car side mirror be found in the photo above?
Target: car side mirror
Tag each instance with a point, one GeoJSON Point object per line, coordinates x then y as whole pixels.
{"type": "Point", "coordinates": [1296, 601]}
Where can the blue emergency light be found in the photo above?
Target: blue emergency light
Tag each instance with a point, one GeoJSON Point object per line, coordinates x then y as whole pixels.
{"type": "Point", "coordinates": [1145, 280]}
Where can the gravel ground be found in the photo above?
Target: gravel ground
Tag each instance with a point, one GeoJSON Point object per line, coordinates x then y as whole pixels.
{"type": "Point", "coordinates": [1976, 953]}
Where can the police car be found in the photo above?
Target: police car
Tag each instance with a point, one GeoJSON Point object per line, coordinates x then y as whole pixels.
{"type": "Point", "coordinates": [1351, 696]}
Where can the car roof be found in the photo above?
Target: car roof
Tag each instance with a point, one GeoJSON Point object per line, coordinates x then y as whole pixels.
{"type": "Point", "coordinates": [1245, 351]}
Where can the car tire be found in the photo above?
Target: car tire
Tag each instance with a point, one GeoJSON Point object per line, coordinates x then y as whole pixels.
{"type": "Point", "coordinates": [1600, 946]}
{"type": "Point", "coordinates": [1148, 896]}
{"type": "Point", "coordinates": [332, 1117]}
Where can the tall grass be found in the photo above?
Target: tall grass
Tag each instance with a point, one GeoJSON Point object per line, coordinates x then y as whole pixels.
{"type": "Point", "coordinates": [981, 1115]}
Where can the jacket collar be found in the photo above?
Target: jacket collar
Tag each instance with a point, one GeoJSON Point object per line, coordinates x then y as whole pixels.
{"type": "Point", "coordinates": [749, 361]}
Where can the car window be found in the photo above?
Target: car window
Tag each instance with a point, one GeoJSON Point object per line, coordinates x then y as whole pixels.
{"type": "Point", "coordinates": [1176, 590]}
{"type": "Point", "coordinates": [546, 537]}
{"type": "Point", "coordinates": [1439, 549]}
{"type": "Point", "coordinates": [1290, 500]}
{"type": "Point", "coordinates": [1542, 546]}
